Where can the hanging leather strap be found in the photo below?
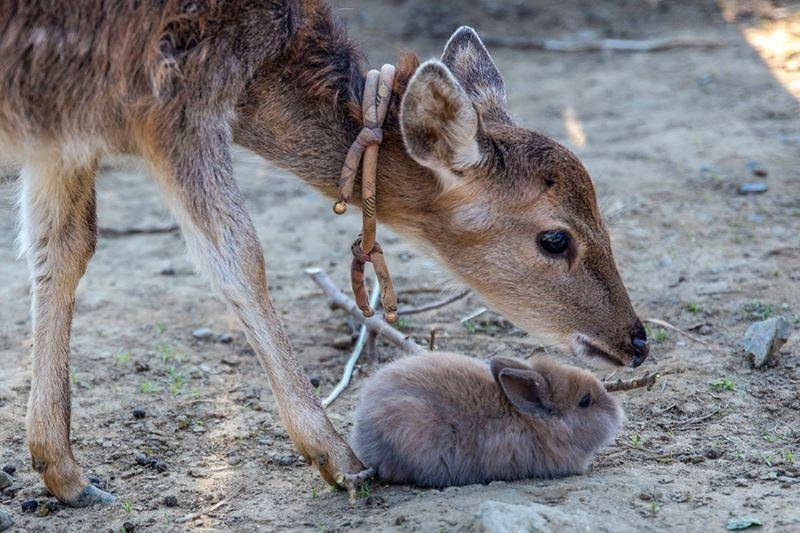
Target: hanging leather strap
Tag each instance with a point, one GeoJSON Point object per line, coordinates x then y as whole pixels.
{"type": "Point", "coordinates": [375, 105]}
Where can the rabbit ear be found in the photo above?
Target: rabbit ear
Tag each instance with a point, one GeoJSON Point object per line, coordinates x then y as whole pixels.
{"type": "Point", "coordinates": [526, 389]}
{"type": "Point", "coordinates": [497, 364]}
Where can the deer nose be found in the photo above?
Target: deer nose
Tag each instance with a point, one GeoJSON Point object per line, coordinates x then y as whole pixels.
{"type": "Point", "coordinates": [640, 347]}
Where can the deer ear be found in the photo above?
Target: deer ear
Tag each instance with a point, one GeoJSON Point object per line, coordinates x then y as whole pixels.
{"type": "Point", "coordinates": [438, 121]}
{"type": "Point", "coordinates": [526, 389]}
{"type": "Point", "coordinates": [471, 64]}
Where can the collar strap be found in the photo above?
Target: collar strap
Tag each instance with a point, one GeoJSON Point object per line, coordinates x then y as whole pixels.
{"type": "Point", "coordinates": [375, 105]}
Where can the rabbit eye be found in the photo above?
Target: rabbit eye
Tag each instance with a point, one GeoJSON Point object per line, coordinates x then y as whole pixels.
{"type": "Point", "coordinates": [586, 401]}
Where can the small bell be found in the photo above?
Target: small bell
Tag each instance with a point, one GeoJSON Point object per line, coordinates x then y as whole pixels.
{"type": "Point", "coordinates": [340, 207]}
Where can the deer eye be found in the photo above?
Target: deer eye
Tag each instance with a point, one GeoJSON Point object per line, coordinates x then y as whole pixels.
{"type": "Point", "coordinates": [586, 401]}
{"type": "Point", "coordinates": [554, 242]}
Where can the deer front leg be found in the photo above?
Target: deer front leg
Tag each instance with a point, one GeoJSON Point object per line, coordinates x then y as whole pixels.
{"type": "Point", "coordinates": [220, 236]}
{"type": "Point", "coordinates": [57, 209]}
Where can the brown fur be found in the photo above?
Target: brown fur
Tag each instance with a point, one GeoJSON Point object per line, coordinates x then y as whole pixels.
{"type": "Point", "coordinates": [178, 82]}
{"type": "Point", "coordinates": [444, 419]}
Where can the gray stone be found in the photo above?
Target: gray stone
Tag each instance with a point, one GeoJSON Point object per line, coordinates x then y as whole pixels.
{"type": "Point", "coordinates": [756, 187]}
{"type": "Point", "coordinates": [5, 520]}
{"type": "Point", "coordinates": [202, 333]}
{"type": "Point", "coordinates": [499, 517]}
{"type": "Point", "coordinates": [764, 338]}
{"type": "Point", "coordinates": [5, 480]}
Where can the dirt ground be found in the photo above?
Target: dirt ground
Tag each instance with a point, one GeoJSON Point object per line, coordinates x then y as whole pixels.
{"type": "Point", "coordinates": [668, 138]}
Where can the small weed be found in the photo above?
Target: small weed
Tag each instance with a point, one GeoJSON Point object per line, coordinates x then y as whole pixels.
{"type": "Point", "coordinates": [160, 328]}
{"type": "Point", "coordinates": [769, 459]}
{"type": "Point", "coordinates": [636, 440]}
{"type": "Point", "coordinates": [471, 328]}
{"type": "Point", "coordinates": [127, 506]}
{"type": "Point", "coordinates": [314, 492]}
{"type": "Point", "coordinates": [759, 310]}
{"type": "Point", "coordinates": [168, 353]}
{"type": "Point", "coordinates": [176, 379]}
{"type": "Point", "coordinates": [364, 491]}
{"type": "Point", "coordinates": [121, 358]}
{"type": "Point", "coordinates": [74, 378]}
{"type": "Point", "coordinates": [149, 388]}
{"type": "Point", "coordinates": [401, 323]}
{"type": "Point", "coordinates": [654, 507]}
{"type": "Point", "coordinates": [723, 385]}
{"type": "Point", "coordinates": [692, 307]}
{"type": "Point", "coordinates": [789, 456]}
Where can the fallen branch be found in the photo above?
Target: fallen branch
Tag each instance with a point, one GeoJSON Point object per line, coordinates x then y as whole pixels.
{"type": "Point", "coordinates": [648, 379]}
{"type": "Point", "coordinates": [363, 337]}
{"type": "Point", "coordinates": [113, 233]}
{"type": "Point", "coordinates": [194, 516]}
{"type": "Point", "coordinates": [598, 45]}
{"type": "Point", "coordinates": [676, 329]}
{"type": "Point", "coordinates": [375, 323]}
{"type": "Point", "coordinates": [434, 305]}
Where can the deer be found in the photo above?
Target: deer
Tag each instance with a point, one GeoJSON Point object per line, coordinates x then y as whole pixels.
{"type": "Point", "coordinates": [509, 212]}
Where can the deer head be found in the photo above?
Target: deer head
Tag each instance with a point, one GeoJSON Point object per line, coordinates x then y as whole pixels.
{"type": "Point", "coordinates": [515, 214]}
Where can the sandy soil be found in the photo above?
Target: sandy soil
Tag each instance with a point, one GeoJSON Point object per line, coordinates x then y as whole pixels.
{"type": "Point", "coordinates": [668, 138]}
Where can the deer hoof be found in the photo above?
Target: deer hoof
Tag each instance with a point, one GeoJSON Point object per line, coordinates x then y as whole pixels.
{"type": "Point", "coordinates": [91, 495]}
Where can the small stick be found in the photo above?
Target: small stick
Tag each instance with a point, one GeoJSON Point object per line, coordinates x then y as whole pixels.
{"type": "Point", "coordinates": [432, 340]}
{"type": "Point", "coordinates": [598, 45]}
{"type": "Point", "coordinates": [113, 233]}
{"type": "Point", "coordinates": [363, 336]}
{"type": "Point", "coordinates": [667, 325]}
{"type": "Point", "coordinates": [475, 314]}
{"type": "Point", "coordinates": [648, 379]}
{"type": "Point", "coordinates": [228, 498]}
{"type": "Point", "coordinates": [434, 305]}
{"type": "Point", "coordinates": [375, 323]}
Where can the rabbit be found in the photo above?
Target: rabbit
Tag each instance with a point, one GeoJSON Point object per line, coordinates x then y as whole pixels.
{"type": "Point", "coordinates": [443, 419]}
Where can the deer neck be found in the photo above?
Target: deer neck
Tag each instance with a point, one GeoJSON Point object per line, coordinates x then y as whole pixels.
{"type": "Point", "coordinates": [303, 112]}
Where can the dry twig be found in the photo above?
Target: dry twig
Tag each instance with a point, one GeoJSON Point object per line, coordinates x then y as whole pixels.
{"type": "Point", "coordinates": [598, 45]}
{"type": "Point", "coordinates": [648, 379]}
{"type": "Point", "coordinates": [363, 337]}
{"type": "Point", "coordinates": [113, 233]}
{"type": "Point", "coordinates": [434, 305]}
{"type": "Point", "coordinates": [375, 323]}
{"type": "Point", "coordinates": [676, 329]}
{"type": "Point", "coordinates": [228, 498]}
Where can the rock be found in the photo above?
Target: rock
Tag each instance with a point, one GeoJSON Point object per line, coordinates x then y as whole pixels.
{"type": "Point", "coordinates": [756, 187]}
{"type": "Point", "coordinates": [29, 506]}
{"type": "Point", "coordinates": [283, 460]}
{"type": "Point", "coordinates": [141, 366]}
{"type": "Point", "coordinates": [167, 271]}
{"type": "Point", "coordinates": [10, 469]}
{"type": "Point", "coordinates": [97, 482]}
{"type": "Point", "coordinates": [128, 527]}
{"type": "Point", "coordinates": [5, 520]}
{"type": "Point", "coordinates": [53, 506]}
{"type": "Point", "coordinates": [225, 338]}
{"type": "Point", "coordinates": [139, 412]}
{"type": "Point", "coordinates": [316, 381]}
{"type": "Point", "coordinates": [342, 343]}
{"type": "Point", "coordinates": [499, 517]}
{"type": "Point", "coordinates": [170, 501]}
{"type": "Point", "coordinates": [42, 510]}
{"type": "Point", "coordinates": [5, 480]}
{"type": "Point", "coordinates": [764, 338]}
{"type": "Point", "coordinates": [160, 466]}
{"type": "Point", "coordinates": [203, 334]}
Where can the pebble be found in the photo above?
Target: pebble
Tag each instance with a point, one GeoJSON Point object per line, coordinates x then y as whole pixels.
{"type": "Point", "coordinates": [168, 271]}
{"type": "Point", "coordinates": [202, 334]}
{"type": "Point", "coordinates": [283, 460]}
{"type": "Point", "coordinates": [42, 510]}
{"type": "Point", "coordinates": [316, 381]}
{"type": "Point", "coordinates": [5, 520]}
{"type": "Point", "coordinates": [225, 338]}
{"type": "Point", "coordinates": [170, 501]}
{"type": "Point", "coordinates": [142, 459]}
{"type": "Point", "coordinates": [342, 343]}
{"type": "Point", "coordinates": [129, 527]}
{"type": "Point", "coordinates": [53, 506]}
{"type": "Point", "coordinates": [29, 506]}
{"type": "Point", "coordinates": [5, 480]}
{"type": "Point", "coordinates": [764, 338]}
{"type": "Point", "coordinates": [139, 412]}
{"type": "Point", "coordinates": [10, 468]}
{"type": "Point", "coordinates": [756, 187]}
{"type": "Point", "coordinates": [97, 482]}
{"type": "Point", "coordinates": [141, 366]}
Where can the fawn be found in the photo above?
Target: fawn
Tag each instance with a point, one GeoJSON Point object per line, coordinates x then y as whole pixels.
{"type": "Point", "coordinates": [510, 212]}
